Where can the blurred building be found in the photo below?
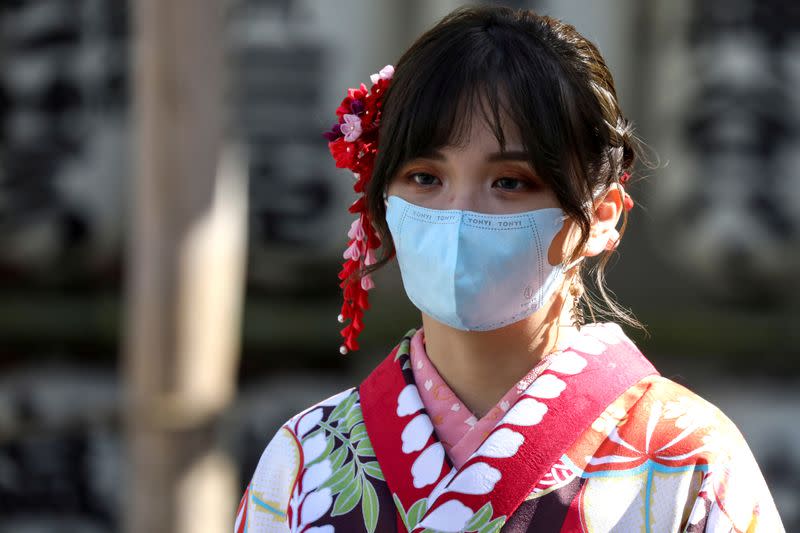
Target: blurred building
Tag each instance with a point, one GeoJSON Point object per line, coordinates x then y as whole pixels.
{"type": "Point", "coordinates": [710, 261]}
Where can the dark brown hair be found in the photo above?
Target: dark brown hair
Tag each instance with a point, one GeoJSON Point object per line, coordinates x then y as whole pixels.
{"type": "Point", "coordinates": [537, 71]}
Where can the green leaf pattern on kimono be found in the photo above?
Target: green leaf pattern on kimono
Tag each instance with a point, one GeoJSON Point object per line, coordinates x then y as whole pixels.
{"type": "Point", "coordinates": [414, 514]}
{"type": "Point", "coordinates": [480, 522]}
{"type": "Point", "coordinates": [352, 464]}
{"type": "Point", "coordinates": [405, 348]}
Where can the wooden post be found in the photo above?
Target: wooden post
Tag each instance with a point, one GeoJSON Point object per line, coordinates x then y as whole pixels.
{"type": "Point", "coordinates": [185, 273]}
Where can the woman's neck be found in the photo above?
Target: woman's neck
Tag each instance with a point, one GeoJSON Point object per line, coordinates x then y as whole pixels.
{"type": "Point", "coordinates": [481, 366]}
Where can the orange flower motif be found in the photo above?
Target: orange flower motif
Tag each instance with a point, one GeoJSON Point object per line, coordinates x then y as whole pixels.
{"type": "Point", "coordinates": [654, 437]}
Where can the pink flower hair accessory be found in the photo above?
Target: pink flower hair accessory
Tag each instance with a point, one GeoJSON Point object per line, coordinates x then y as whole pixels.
{"type": "Point", "coordinates": [351, 127]}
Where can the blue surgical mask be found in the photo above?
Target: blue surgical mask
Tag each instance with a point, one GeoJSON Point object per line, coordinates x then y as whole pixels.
{"type": "Point", "coordinates": [475, 271]}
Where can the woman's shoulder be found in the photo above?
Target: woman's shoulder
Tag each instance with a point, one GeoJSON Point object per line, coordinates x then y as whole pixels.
{"type": "Point", "coordinates": [306, 436]}
{"type": "Point", "coordinates": [657, 402]}
{"type": "Point", "coordinates": [658, 407]}
{"type": "Point", "coordinates": [662, 423]}
{"type": "Point", "coordinates": [299, 431]}
{"type": "Point", "coordinates": [296, 446]}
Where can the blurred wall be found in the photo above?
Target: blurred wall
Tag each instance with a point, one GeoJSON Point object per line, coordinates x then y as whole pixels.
{"type": "Point", "coordinates": [709, 262]}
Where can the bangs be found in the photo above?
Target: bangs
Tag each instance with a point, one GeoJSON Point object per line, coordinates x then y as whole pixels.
{"type": "Point", "coordinates": [508, 80]}
{"type": "Point", "coordinates": [447, 109]}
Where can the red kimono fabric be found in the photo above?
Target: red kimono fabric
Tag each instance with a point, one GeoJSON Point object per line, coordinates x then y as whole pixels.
{"type": "Point", "coordinates": [598, 442]}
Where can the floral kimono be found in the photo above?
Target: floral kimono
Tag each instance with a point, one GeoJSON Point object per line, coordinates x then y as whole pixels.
{"type": "Point", "coordinates": [591, 440]}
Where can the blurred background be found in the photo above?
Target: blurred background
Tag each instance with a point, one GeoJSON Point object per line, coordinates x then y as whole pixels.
{"type": "Point", "coordinates": [171, 227]}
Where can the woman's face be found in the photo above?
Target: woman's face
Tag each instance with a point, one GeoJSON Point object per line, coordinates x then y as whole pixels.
{"type": "Point", "coordinates": [478, 177]}
{"type": "Point", "coordinates": [475, 176]}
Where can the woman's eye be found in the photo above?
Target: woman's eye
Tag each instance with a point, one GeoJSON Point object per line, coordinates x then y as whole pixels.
{"type": "Point", "coordinates": [424, 179]}
{"type": "Point", "coordinates": [511, 184]}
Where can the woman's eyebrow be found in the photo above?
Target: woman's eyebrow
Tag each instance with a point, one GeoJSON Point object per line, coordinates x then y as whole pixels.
{"type": "Point", "coordinates": [508, 156]}
{"type": "Point", "coordinates": [436, 155]}
{"type": "Point", "coordinates": [518, 155]}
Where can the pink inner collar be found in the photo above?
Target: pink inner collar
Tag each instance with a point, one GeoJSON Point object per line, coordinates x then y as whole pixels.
{"type": "Point", "coordinates": [458, 429]}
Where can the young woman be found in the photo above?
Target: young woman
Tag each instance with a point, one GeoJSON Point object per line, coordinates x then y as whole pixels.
{"type": "Point", "coordinates": [492, 164]}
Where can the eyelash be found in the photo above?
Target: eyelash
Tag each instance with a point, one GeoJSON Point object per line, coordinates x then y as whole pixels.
{"type": "Point", "coordinates": [526, 184]}
{"type": "Point", "coordinates": [412, 178]}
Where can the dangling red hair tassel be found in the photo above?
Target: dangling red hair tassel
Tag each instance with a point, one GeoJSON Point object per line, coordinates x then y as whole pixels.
{"type": "Point", "coordinates": [353, 143]}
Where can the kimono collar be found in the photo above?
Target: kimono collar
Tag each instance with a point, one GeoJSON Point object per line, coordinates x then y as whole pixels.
{"type": "Point", "coordinates": [533, 434]}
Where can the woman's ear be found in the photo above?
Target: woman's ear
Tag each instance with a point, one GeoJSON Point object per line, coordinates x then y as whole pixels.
{"type": "Point", "coordinates": [607, 210]}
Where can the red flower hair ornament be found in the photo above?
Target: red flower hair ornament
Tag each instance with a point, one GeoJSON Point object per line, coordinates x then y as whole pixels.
{"type": "Point", "coordinates": [353, 143]}
{"type": "Point", "coordinates": [627, 201]}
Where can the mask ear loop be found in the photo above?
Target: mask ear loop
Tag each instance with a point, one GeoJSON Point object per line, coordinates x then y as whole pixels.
{"type": "Point", "coordinates": [570, 265]}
